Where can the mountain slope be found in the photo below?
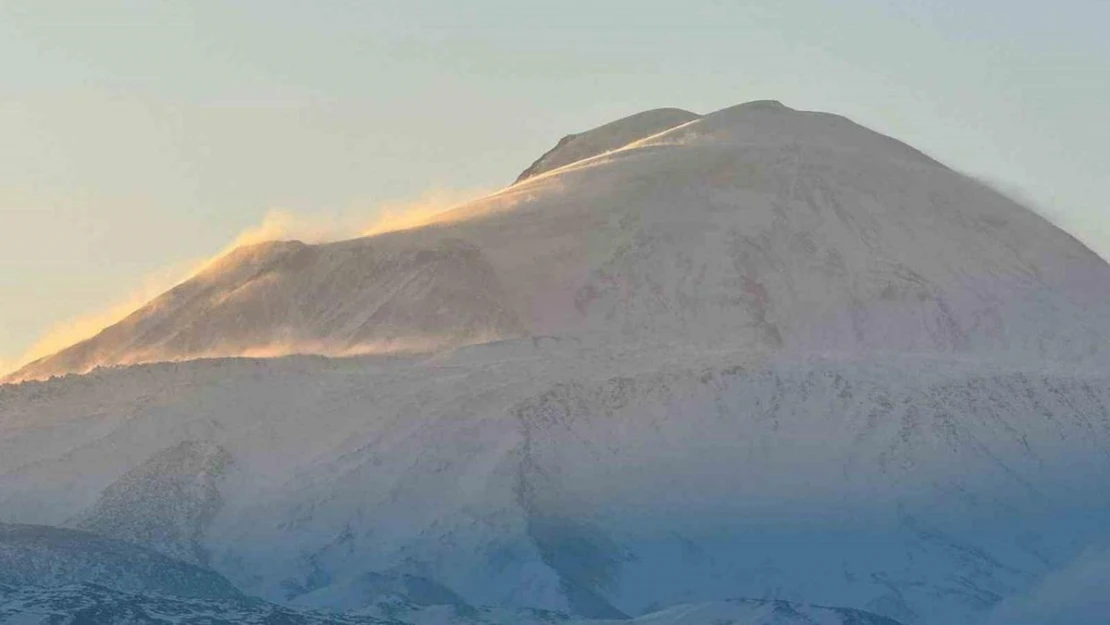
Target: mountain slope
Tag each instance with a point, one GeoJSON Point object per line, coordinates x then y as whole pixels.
{"type": "Point", "coordinates": [760, 227]}
{"type": "Point", "coordinates": [52, 575]}
{"type": "Point", "coordinates": [178, 490]}
{"type": "Point", "coordinates": [556, 477]}
{"type": "Point", "coordinates": [765, 353]}
{"type": "Point", "coordinates": [37, 555]}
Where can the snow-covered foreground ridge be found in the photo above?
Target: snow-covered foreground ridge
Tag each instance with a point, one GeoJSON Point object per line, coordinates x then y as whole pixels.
{"type": "Point", "coordinates": [762, 354]}
{"type": "Point", "coordinates": [923, 489]}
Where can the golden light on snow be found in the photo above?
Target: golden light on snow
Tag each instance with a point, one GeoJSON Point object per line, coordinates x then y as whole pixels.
{"type": "Point", "coordinates": [276, 225]}
{"type": "Point", "coordinates": [77, 329]}
{"type": "Point", "coordinates": [428, 209]}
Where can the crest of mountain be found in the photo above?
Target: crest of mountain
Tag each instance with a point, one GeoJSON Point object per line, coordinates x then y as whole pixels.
{"type": "Point", "coordinates": [606, 138]}
{"type": "Point", "coordinates": [760, 227]}
{"type": "Point", "coordinates": [764, 353]}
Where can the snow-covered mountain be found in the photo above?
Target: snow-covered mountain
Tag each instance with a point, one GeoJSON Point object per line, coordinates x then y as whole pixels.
{"type": "Point", "coordinates": [757, 227]}
{"type": "Point", "coordinates": [761, 354]}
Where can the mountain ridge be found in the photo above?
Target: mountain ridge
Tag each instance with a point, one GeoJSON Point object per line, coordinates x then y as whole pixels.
{"type": "Point", "coordinates": [605, 138]}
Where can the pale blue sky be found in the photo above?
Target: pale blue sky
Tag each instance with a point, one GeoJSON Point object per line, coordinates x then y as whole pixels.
{"type": "Point", "coordinates": [139, 135]}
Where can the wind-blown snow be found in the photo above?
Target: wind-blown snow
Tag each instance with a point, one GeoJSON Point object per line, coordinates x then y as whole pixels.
{"type": "Point", "coordinates": [273, 299]}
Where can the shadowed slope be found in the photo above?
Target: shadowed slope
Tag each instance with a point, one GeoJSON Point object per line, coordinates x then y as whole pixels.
{"type": "Point", "coordinates": [50, 556]}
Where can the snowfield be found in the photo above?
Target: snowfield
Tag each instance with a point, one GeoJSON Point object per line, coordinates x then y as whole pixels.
{"type": "Point", "coordinates": [688, 369]}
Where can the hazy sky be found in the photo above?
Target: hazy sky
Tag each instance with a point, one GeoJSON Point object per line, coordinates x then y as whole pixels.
{"type": "Point", "coordinates": [139, 137]}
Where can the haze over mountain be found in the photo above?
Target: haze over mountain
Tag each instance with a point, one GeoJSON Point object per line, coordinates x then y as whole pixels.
{"type": "Point", "coordinates": [757, 354]}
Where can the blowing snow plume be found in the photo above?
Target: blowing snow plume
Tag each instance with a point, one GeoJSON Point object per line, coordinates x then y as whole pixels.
{"type": "Point", "coordinates": [429, 208]}
{"type": "Point", "coordinates": [286, 225]}
{"type": "Point", "coordinates": [265, 275]}
{"type": "Point", "coordinates": [85, 326]}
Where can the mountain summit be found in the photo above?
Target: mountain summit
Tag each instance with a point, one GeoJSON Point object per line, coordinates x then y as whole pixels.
{"type": "Point", "coordinates": [758, 227]}
{"type": "Point", "coordinates": [606, 138]}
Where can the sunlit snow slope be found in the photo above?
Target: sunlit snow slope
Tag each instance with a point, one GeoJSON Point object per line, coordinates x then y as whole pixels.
{"type": "Point", "coordinates": [759, 227]}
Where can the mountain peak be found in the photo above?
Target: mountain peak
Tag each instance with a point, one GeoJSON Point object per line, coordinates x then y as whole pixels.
{"type": "Point", "coordinates": [759, 225]}
{"type": "Point", "coordinates": [617, 134]}
{"type": "Point", "coordinates": [605, 138]}
{"type": "Point", "coordinates": [757, 105]}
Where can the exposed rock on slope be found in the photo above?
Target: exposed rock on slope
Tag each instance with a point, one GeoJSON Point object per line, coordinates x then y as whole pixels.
{"type": "Point", "coordinates": [177, 494]}
{"type": "Point", "coordinates": [49, 556]}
